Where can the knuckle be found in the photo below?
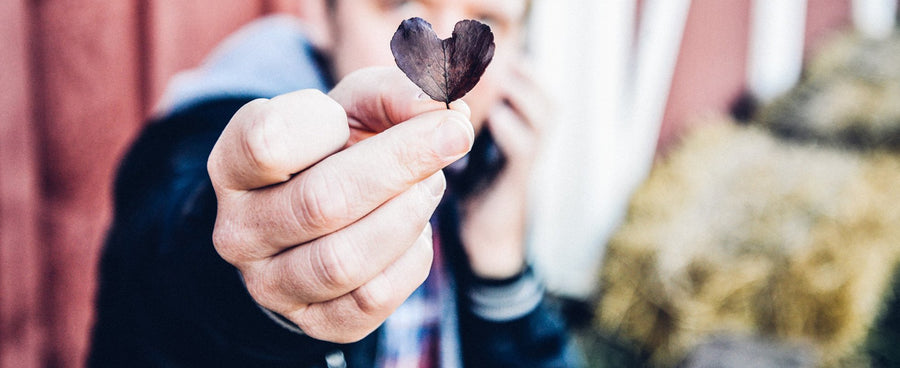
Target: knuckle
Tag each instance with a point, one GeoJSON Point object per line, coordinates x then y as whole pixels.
{"type": "Point", "coordinates": [411, 160]}
{"type": "Point", "coordinates": [262, 289]}
{"type": "Point", "coordinates": [269, 129]}
{"type": "Point", "coordinates": [373, 301]}
{"type": "Point", "coordinates": [227, 243]}
{"type": "Point", "coordinates": [316, 331]}
{"type": "Point", "coordinates": [333, 322]}
{"type": "Point", "coordinates": [334, 270]}
{"type": "Point", "coordinates": [213, 166]}
{"type": "Point", "coordinates": [262, 139]}
{"type": "Point", "coordinates": [223, 240]}
{"type": "Point", "coordinates": [231, 240]}
{"type": "Point", "coordinates": [216, 163]}
{"type": "Point", "coordinates": [321, 202]}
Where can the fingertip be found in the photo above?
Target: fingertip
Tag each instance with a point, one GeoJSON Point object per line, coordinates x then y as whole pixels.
{"type": "Point", "coordinates": [435, 184]}
{"type": "Point", "coordinates": [462, 107]}
{"type": "Point", "coordinates": [454, 135]}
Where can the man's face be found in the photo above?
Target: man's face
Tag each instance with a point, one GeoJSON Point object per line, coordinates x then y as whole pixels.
{"type": "Point", "coordinates": [362, 29]}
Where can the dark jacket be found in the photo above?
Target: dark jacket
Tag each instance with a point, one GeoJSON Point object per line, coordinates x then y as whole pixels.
{"type": "Point", "coordinates": [167, 299]}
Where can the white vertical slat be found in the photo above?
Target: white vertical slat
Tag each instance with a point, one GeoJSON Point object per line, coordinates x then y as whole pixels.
{"type": "Point", "coordinates": [874, 18]}
{"type": "Point", "coordinates": [611, 104]}
{"type": "Point", "coordinates": [582, 50]}
{"type": "Point", "coordinates": [776, 47]}
{"type": "Point", "coordinates": [659, 41]}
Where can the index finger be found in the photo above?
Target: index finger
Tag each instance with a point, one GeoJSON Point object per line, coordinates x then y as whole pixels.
{"type": "Point", "coordinates": [378, 98]}
{"type": "Point", "coordinates": [343, 187]}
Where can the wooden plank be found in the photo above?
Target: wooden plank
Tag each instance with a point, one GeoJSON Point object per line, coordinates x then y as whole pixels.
{"type": "Point", "coordinates": [21, 331]}
{"type": "Point", "coordinates": [710, 72]}
{"type": "Point", "coordinates": [86, 60]}
{"type": "Point", "coordinates": [181, 33]}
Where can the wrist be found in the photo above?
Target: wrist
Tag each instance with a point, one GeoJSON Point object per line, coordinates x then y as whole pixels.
{"type": "Point", "coordinates": [496, 263]}
{"type": "Point", "coordinates": [493, 255]}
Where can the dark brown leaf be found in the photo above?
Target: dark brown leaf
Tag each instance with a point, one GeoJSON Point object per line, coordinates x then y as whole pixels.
{"type": "Point", "coordinates": [445, 69]}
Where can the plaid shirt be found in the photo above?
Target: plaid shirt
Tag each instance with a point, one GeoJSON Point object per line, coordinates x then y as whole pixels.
{"type": "Point", "coordinates": [411, 336]}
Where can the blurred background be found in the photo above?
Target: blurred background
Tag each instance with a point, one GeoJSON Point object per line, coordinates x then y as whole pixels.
{"type": "Point", "coordinates": [80, 77]}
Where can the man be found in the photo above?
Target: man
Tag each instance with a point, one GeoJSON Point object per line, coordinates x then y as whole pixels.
{"type": "Point", "coordinates": [294, 231]}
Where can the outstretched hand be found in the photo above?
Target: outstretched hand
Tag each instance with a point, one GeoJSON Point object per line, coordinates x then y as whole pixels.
{"type": "Point", "coordinates": [324, 200]}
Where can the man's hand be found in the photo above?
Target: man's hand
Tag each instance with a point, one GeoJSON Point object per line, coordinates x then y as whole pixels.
{"type": "Point", "coordinates": [493, 223]}
{"type": "Point", "coordinates": [330, 233]}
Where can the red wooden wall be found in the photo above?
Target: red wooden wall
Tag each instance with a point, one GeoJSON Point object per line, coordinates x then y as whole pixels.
{"type": "Point", "coordinates": [78, 79]}
{"type": "Point", "coordinates": [710, 71]}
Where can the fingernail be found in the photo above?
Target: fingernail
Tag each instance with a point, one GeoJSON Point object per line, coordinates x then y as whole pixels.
{"type": "Point", "coordinates": [436, 184]}
{"type": "Point", "coordinates": [453, 137]}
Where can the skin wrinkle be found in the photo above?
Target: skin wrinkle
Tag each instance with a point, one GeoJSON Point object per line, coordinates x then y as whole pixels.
{"type": "Point", "coordinates": [261, 154]}
{"type": "Point", "coordinates": [266, 131]}
{"type": "Point", "coordinates": [317, 260]}
{"type": "Point", "coordinates": [247, 143]}
{"type": "Point", "coordinates": [328, 266]}
{"type": "Point", "coordinates": [260, 286]}
{"type": "Point", "coordinates": [313, 210]}
{"type": "Point", "coordinates": [234, 237]}
{"type": "Point", "coordinates": [379, 110]}
{"type": "Point", "coordinates": [249, 149]}
{"type": "Point", "coordinates": [400, 148]}
{"type": "Point", "coordinates": [334, 270]}
{"type": "Point", "coordinates": [423, 234]}
{"type": "Point", "coordinates": [230, 237]}
{"type": "Point", "coordinates": [382, 111]}
{"type": "Point", "coordinates": [369, 300]}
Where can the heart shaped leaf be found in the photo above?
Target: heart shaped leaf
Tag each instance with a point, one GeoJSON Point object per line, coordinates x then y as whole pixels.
{"type": "Point", "coordinates": [445, 69]}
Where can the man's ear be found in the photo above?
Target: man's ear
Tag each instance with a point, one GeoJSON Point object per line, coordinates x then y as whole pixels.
{"type": "Point", "coordinates": [316, 17]}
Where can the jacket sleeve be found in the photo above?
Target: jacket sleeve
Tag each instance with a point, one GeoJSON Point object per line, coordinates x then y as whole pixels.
{"type": "Point", "coordinates": [166, 298]}
{"type": "Point", "coordinates": [507, 323]}
{"type": "Point", "coordinates": [502, 323]}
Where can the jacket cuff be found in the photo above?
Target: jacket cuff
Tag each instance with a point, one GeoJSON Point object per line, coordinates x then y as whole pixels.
{"type": "Point", "coordinates": [281, 321]}
{"type": "Point", "coordinates": [506, 300]}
